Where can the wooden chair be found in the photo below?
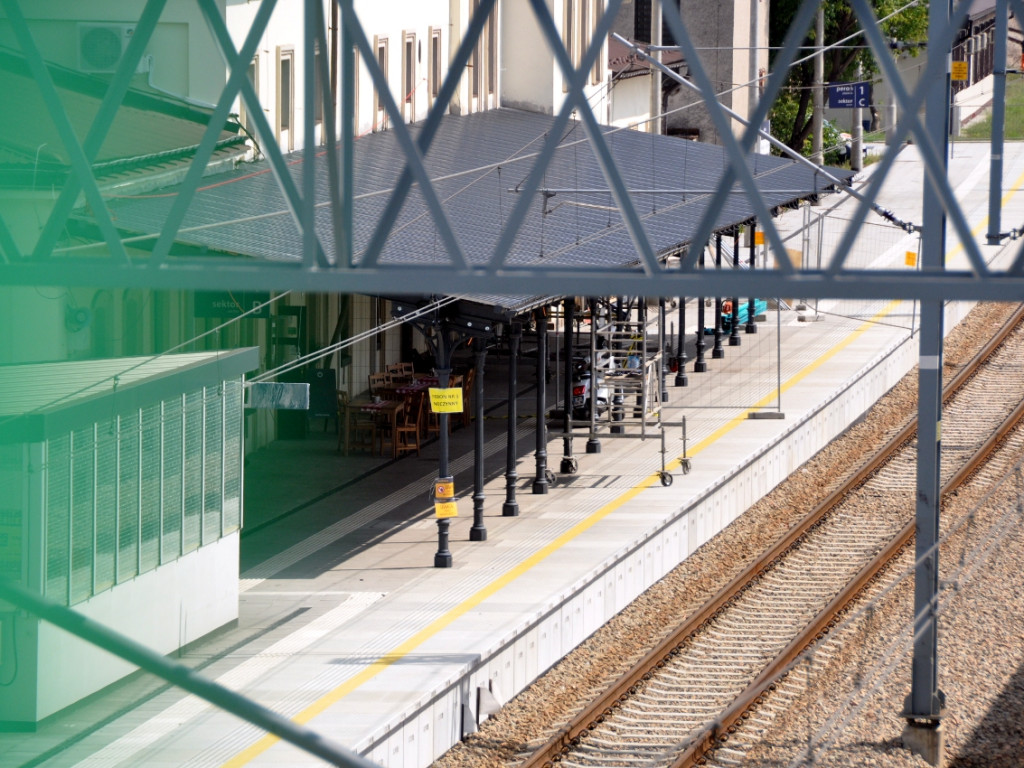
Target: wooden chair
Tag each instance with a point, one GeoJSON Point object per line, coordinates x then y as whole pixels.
{"type": "Point", "coordinates": [400, 373]}
{"type": "Point", "coordinates": [378, 380]}
{"type": "Point", "coordinates": [407, 436]}
{"type": "Point", "coordinates": [362, 427]}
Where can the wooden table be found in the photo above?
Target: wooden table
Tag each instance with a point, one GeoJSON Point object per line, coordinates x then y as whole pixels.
{"type": "Point", "coordinates": [386, 408]}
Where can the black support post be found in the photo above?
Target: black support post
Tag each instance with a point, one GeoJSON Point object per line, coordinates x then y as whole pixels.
{"type": "Point", "coordinates": [568, 465]}
{"type": "Point", "coordinates": [593, 443]}
{"type": "Point", "coordinates": [700, 364]}
{"type": "Point", "coordinates": [443, 556]}
{"type": "Point", "coordinates": [511, 507]}
{"type": "Point", "coordinates": [478, 532]}
{"type": "Point", "coordinates": [540, 480]}
{"type": "Point", "coordinates": [718, 351]}
{"type": "Point", "coordinates": [751, 305]}
{"type": "Point", "coordinates": [663, 368]}
{"type": "Point", "coordinates": [734, 326]}
{"type": "Point", "coordinates": [681, 380]}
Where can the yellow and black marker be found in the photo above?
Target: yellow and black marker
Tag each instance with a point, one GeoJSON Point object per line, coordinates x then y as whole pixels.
{"type": "Point", "coordinates": [444, 498]}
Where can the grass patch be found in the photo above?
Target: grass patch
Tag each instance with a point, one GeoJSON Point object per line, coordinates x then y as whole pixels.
{"type": "Point", "coordinates": [1013, 125]}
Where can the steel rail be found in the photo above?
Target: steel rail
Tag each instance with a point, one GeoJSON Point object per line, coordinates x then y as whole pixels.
{"type": "Point", "coordinates": [597, 710]}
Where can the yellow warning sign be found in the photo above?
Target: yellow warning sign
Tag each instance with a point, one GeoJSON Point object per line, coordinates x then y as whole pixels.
{"type": "Point", "coordinates": [911, 259]}
{"type": "Point", "coordinates": [759, 238]}
{"type": "Point", "coordinates": [444, 489]}
{"type": "Point", "coordinates": [446, 509]}
{"type": "Point", "coordinates": [959, 71]}
{"type": "Point", "coordinates": [446, 400]}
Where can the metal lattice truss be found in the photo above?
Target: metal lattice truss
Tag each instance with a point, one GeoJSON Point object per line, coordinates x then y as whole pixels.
{"type": "Point", "coordinates": [47, 263]}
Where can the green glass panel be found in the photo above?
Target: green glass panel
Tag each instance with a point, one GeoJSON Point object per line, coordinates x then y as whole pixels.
{"type": "Point", "coordinates": [106, 503]}
{"type": "Point", "coordinates": [150, 530]}
{"type": "Point", "coordinates": [233, 456]}
{"type": "Point", "coordinates": [12, 511]}
{"type": "Point", "coordinates": [58, 518]}
{"type": "Point", "coordinates": [173, 510]}
{"type": "Point", "coordinates": [83, 495]}
{"type": "Point", "coordinates": [128, 498]}
{"type": "Point", "coordinates": [214, 441]}
{"type": "Point", "coordinates": [193, 469]}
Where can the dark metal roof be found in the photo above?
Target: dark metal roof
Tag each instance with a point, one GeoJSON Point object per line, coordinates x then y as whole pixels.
{"type": "Point", "coordinates": [148, 132]}
{"type": "Point", "coordinates": [477, 162]}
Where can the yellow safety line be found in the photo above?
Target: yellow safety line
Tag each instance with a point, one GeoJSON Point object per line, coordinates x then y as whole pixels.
{"type": "Point", "coordinates": [403, 649]}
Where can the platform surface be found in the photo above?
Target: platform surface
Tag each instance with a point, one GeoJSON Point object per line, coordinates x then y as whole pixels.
{"type": "Point", "coordinates": [346, 626]}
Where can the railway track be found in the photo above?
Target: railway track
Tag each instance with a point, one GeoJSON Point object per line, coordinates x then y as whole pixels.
{"type": "Point", "coordinates": [690, 691]}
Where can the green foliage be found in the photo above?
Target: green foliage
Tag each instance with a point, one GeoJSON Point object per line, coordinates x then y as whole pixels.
{"type": "Point", "coordinates": [1013, 123]}
{"type": "Point", "coordinates": [791, 114]}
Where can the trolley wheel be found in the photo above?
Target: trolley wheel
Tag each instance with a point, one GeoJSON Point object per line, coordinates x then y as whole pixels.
{"type": "Point", "coordinates": [666, 478]}
{"type": "Point", "coordinates": [551, 478]}
{"type": "Point", "coordinates": [570, 466]}
{"type": "Point", "coordinates": [685, 466]}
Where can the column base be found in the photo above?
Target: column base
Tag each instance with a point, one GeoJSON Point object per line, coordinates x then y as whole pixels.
{"type": "Point", "coordinates": [443, 560]}
{"type": "Point", "coordinates": [927, 740]}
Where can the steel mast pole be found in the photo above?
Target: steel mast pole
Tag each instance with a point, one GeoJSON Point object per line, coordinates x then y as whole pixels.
{"type": "Point", "coordinates": [923, 708]}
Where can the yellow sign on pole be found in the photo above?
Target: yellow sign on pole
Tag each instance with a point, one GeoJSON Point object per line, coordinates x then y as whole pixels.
{"type": "Point", "coordinates": [444, 497]}
{"type": "Point", "coordinates": [759, 238]}
{"type": "Point", "coordinates": [446, 400]}
{"type": "Point", "coordinates": [959, 71]}
{"type": "Point", "coordinates": [446, 509]}
{"type": "Point", "coordinates": [911, 259]}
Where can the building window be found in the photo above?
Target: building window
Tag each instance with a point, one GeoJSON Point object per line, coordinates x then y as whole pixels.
{"type": "Point", "coordinates": [484, 63]}
{"type": "Point", "coordinates": [491, 33]}
{"type": "Point", "coordinates": [597, 73]}
{"type": "Point", "coordinates": [285, 97]}
{"type": "Point", "coordinates": [380, 115]}
{"type": "Point", "coordinates": [318, 86]}
{"type": "Point", "coordinates": [435, 68]}
{"type": "Point", "coordinates": [244, 114]}
{"type": "Point", "coordinates": [570, 34]}
{"type": "Point", "coordinates": [409, 75]}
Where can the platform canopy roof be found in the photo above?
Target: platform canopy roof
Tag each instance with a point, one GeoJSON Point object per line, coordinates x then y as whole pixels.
{"type": "Point", "coordinates": [149, 133]}
{"type": "Point", "coordinates": [477, 164]}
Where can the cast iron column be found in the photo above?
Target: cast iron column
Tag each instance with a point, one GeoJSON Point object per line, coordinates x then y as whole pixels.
{"type": "Point", "coordinates": [664, 350]}
{"type": "Point", "coordinates": [478, 532]}
{"type": "Point", "coordinates": [751, 306]}
{"type": "Point", "coordinates": [540, 481]}
{"type": "Point", "coordinates": [700, 365]}
{"type": "Point", "coordinates": [568, 465]}
{"type": "Point", "coordinates": [443, 556]}
{"type": "Point", "coordinates": [717, 351]}
{"type": "Point", "coordinates": [511, 507]}
{"type": "Point", "coordinates": [734, 326]}
{"type": "Point", "coordinates": [593, 444]}
{"type": "Point", "coordinates": [681, 346]}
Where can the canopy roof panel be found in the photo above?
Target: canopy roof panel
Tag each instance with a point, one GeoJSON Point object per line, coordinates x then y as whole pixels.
{"type": "Point", "coordinates": [477, 163]}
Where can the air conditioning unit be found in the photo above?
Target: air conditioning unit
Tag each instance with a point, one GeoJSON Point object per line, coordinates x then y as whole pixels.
{"type": "Point", "coordinates": [101, 45]}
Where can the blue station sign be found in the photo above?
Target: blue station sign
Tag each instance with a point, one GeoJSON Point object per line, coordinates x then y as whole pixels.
{"type": "Point", "coordinates": [849, 95]}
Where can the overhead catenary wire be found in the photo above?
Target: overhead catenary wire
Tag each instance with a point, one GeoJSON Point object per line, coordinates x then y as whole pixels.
{"type": "Point", "coordinates": [885, 213]}
{"type": "Point", "coordinates": [302, 361]}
